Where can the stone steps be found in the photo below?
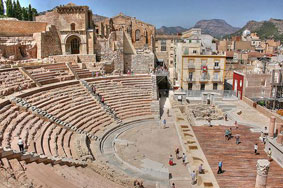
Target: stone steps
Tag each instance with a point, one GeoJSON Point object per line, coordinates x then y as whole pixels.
{"type": "Point", "coordinates": [32, 157]}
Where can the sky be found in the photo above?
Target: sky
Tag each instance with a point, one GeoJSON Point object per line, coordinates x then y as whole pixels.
{"type": "Point", "coordinates": [183, 13]}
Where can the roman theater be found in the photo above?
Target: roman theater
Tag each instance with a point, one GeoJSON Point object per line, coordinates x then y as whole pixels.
{"type": "Point", "coordinates": [94, 110]}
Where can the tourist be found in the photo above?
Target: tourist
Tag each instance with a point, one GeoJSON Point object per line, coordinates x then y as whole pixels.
{"type": "Point", "coordinates": [168, 113]}
{"type": "Point", "coordinates": [97, 73]}
{"type": "Point", "coordinates": [21, 144]}
{"type": "Point", "coordinates": [177, 153]}
{"type": "Point", "coordinates": [102, 100]}
{"type": "Point", "coordinates": [200, 169]}
{"type": "Point", "coordinates": [164, 123]}
{"type": "Point", "coordinates": [220, 167]}
{"type": "Point", "coordinates": [184, 158]}
{"type": "Point", "coordinates": [129, 72]}
{"type": "Point", "coordinates": [269, 154]}
{"type": "Point", "coordinates": [236, 125]}
{"type": "Point", "coordinates": [93, 89]}
{"type": "Point", "coordinates": [171, 163]}
{"type": "Point", "coordinates": [227, 134]}
{"type": "Point", "coordinates": [237, 139]}
{"type": "Point", "coordinates": [255, 147]}
{"type": "Point", "coordinates": [209, 122]}
{"type": "Point", "coordinates": [194, 175]}
{"type": "Point", "coordinates": [173, 185]}
{"type": "Point", "coordinates": [226, 117]}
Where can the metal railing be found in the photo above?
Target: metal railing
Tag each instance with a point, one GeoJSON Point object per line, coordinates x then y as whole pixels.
{"type": "Point", "coordinates": [223, 93]}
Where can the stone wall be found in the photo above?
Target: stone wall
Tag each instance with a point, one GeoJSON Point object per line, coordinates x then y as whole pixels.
{"type": "Point", "coordinates": [75, 58]}
{"type": "Point", "coordinates": [17, 48]}
{"type": "Point", "coordinates": [14, 28]}
{"type": "Point", "coordinates": [263, 110]}
{"type": "Point", "coordinates": [142, 63]}
{"type": "Point", "coordinates": [48, 43]}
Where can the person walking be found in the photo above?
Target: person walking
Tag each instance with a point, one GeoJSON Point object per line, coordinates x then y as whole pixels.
{"type": "Point", "coordinates": [171, 160]}
{"type": "Point", "coordinates": [256, 148]}
{"type": "Point", "coordinates": [269, 154]}
{"type": "Point", "coordinates": [184, 158]}
{"type": "Point", "coordinates": [236, 125]}
{"type": "Point", "coordinates": [21, 144]}
{"type": "Point", "coordinates": [194, 175]}
{"type": "Point", "coordinates": [164, 123]}
{"type": "Point", "coordinates": [177, 153]}
{"type": "Point", "coordinates": [173, 185]}
{"type": "Point", "coordinates": [237, 139]}
{"type": "Point", "coordinates": [200, 169]}
{"type": "Point", "coordinates": [220, 167]}
{"type": "Point", "coordinates": [93, 89]}
{"type": "Point", "coordinates": [209, 122]}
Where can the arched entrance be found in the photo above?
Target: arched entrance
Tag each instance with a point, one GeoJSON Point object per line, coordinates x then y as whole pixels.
{"type": "Point", "coordinates": [73, 45]}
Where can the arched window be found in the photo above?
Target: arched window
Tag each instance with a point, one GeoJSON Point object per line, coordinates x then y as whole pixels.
{"type": "Point", "coordinates": [73, 27]}
{"type": "Point", "coordinates": [138, 35]}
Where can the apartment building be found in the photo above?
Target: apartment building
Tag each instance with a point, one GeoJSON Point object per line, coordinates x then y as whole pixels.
{"type": "Point", "coordinates": [202, 72]}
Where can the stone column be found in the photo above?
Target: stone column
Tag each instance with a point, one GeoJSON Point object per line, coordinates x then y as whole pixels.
{"type": "Point", "coordinates": [262, 172]}
{"type": "Point", "coordinates": [271, 126]}
{"type": "Point", "coordinates": [280, 139]}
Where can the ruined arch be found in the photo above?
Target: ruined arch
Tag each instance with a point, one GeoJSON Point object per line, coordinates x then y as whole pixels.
{"type": "Point", "coordinates": [73, 44]}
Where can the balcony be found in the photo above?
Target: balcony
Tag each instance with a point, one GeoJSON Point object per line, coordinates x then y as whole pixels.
{"type": "Point", "coordinates": [216, 79]}
{"type": "Point", "coordinates": [216, 68]}
{"type": "Point", "coordinates": [191, 66]}
{"type": "Point", "coordinates": [203, 79]}
{"type": "Point", "coordinates": [191, 79]}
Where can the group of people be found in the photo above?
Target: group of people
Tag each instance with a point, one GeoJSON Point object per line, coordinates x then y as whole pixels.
{"type": "Point", "coordinates": [177, 153]}
{"type": "Point", "coordinates": [101, 98]}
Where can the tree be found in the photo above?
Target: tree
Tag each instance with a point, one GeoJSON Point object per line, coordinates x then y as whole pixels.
{"type": "Point", "coordinates": [9, 8]}
{"type": "Point", "coordinates": [1, 7]}
{"type": "Point", "coordinates": [34, 12]}
{"type": "Point", "coordinates": [14, 6]}
{"type": "Point", "coordinates": [18, 10]}
{"type": "Point", "coordinates": [24, 13]}
{"type": "Point", "coordinates": [30, 17]}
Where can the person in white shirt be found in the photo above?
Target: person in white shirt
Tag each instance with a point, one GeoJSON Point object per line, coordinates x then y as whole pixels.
{"type": "Point", "coordinates": [256, 148]}
{"type": "Point", "coordinates": [21, 144]}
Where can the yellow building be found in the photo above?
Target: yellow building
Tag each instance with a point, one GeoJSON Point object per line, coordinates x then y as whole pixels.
{"type": "Point", "coordinates": [203, 72]}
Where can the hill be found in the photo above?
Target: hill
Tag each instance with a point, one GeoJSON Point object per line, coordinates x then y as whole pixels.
{"type": "Point", "coordinates": [271, 29]}
{"type": "Point", "coordinates": [216, 27]}
{"type": "Point", "coordinates": [170, 30]}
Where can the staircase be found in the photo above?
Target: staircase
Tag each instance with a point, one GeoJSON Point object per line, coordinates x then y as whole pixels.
{"type": "Point", "coordinates": [30, 157]}
{"type": "Point", "coordinates": [107, 108]}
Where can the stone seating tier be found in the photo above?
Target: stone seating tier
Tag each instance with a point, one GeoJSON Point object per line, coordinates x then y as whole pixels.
{"type": "Point", "coordinates": [13, 81]}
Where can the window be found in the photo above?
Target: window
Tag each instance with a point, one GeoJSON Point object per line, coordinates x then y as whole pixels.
{"type": "Point", "coordinates": [73, 27]}
{"type": "Point", "coordinates": [202, 87]}
{"type": "Point", "coordinates": [138, 35]}
{"type": "Point", "coordinates": [216, 64]}
{"type": "Point", "coordinates": [171, 62]}
{"type": "Point", "coordinates": [190, 76]}
{"type": "Point", "coordinates": [194, 51]}
{"type": "Point", "coordinates": [203, 62]}
{"type": "Point", "coordinates": [215, 86]}
{"type": "Point", "coordinates": [215, 76]}
{"type": "Point", "coordinates": [163, 45]}
{"type": "Point", "coordinates": [190, 86]}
